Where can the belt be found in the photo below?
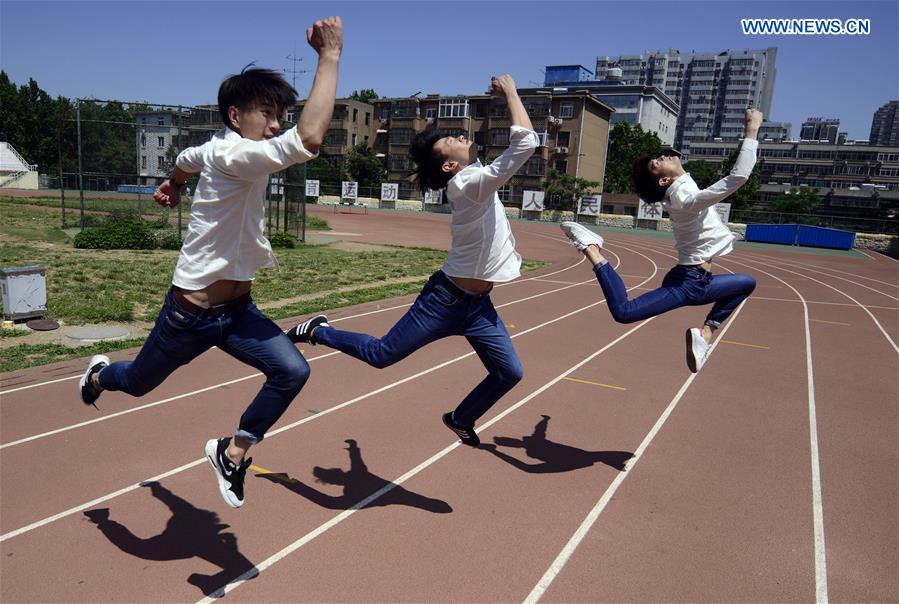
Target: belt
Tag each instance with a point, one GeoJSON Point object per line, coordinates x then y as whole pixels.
{"type": "Point", "coordinates": [212, 311]}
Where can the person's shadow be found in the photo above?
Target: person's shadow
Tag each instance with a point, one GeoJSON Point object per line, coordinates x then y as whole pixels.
{"type": "Point", "coordinates": [190, 532]}
{"type": "Point", "coordinates": [361, 488]}
{"type": "Point", "coordinates": [554, 457]}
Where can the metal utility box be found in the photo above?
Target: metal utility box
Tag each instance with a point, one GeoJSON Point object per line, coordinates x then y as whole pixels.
{"type": "Point", "coordinates": [24, 292]}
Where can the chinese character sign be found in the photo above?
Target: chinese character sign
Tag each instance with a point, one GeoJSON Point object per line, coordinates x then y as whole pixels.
{"type": "Point", "coordinates": [590, 205]}
{"type": "Point", "coordinates": [432, 196]}
{"type": "Point", "coordinates": [723, 210]}
{"type": "Point", "coordinates": [649, 211]}
{"type": "Point", "coordinates": [349, 190]}
{"type": "Point", "coordinates": [311, 188]}
{"type": "Point", "coordinates": [533, 200]}
{"type": "Point", "coordinates": [390, 191]}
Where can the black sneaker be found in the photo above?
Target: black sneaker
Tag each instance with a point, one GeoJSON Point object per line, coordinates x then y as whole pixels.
{"type": "Point", "coordinates": [229, 474]}
{"type": "Point", "coordinates": [89, 392]}
{"type": "Point", "coordinates": [303, 332]}
{"type": "Point", "coordinates": [465, 433]}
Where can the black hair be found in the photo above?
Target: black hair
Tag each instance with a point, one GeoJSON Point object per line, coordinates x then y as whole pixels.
{"type": "Point", "coordinates": [647, 184]}
{"type": "Point", "coordinates": [251, 86]}
{"type": "Point", "coordinates": [428, 160]}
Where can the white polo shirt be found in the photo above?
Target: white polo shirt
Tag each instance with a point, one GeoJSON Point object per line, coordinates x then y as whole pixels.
{"type": "Point", "coordinates": [225, 234]}
{"type": "Point", "coordinates": [483, 245]}
{"type": "Point", "coordinates": [699, 233]}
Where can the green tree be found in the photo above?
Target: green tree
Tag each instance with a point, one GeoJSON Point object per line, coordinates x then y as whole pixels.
{"type": "Point", "coordinates": [703, 172]}
{"type": "Point", "coordinates": [626, 144]}
{"type": "Point", "coordinates": [366, 95]}
{"type": "Point", "coordinates": [364, 166]}
{"type": "Point", "coordinates": [743, 198]}
{"type": "Point", "coordinates": [563, 191]}
{"type": "Point", "coordinates": [798, 200]}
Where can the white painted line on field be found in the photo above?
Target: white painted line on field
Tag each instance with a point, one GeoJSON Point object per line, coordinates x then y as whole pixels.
{"type": "Point", "coordinates": [321, 529]}
{"type": "Point", "coordinates": [568, 550]}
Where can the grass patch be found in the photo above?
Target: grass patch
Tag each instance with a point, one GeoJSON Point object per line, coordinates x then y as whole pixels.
{"type": "Point", "coordinates": [100, 286]}
{"type": "Point", "coordinates": [32, 355]}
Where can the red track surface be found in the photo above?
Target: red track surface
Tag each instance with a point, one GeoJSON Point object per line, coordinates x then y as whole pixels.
{"type": "Point", "coordinates": [770, 476]}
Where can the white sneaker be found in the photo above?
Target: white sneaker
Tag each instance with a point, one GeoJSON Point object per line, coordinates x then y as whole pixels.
{"type": "Point", "coordinates": [580, 236]}
{"type": "Point", "coordinates": [90, 393]}
{"type": "Point", "coordinates": [697, 349]}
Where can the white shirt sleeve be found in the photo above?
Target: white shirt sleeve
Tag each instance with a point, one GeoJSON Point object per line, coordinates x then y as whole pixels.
{"type": "Point", "coordinates": [480, 184]}
{"type": "Point", "coordinates": [191, 159]}
{"type": "Point", "coordinates": [699, 200]}
{"type": "Point", "coordinates": [248, 159]}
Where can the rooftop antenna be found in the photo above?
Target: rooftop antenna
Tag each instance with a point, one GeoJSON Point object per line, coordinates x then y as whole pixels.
{"type": "Point", "coordinates": [293, 70]}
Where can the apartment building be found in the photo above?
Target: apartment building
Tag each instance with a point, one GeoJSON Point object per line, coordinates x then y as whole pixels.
{"type": "Point", "coordinates": [573, 128]}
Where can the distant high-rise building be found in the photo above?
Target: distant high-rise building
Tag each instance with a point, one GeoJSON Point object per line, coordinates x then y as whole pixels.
{"type": "Point", "coordinates": [820, 129]}
{"type": "Point", "coordinates": [711, 89]}
{"type": "Point", "coordinates": [885, 125]}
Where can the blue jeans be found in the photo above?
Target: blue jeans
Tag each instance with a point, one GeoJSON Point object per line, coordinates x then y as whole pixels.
{"type": "Point", "coordinates": [682, 286]}
{"type": "Point", "coordinates": [441, 310]}
{"type": "Point", "coordinates": [244, 332]}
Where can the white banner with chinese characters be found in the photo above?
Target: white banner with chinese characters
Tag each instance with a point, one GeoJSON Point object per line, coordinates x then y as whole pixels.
{"type": "Point", "coordinates": [349, 190]}
{"type": "Point", "coordinates": [311, 188]}
{"type": "Point", "coordinates": [532, 201]}
{"type": "Point", "coordinates": [649, 211]}
{"type": "Point", "coordinates": [590, 205]}
{"type": "Point", "coordinates": [433, 197]}
{"type": "Point", "coordinates": [390, 191]}
{"type": "Point", "coordinates": [723, 210]}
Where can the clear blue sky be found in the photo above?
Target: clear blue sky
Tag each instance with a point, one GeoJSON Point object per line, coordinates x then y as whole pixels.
{"type": "Point", "coordinates": [178, 52]}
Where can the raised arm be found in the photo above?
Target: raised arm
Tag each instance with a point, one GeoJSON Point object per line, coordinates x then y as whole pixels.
{"type": "Point", "coordinates": [481, 184]}
{"type": "Point", "coordinates": [738, 176]}
{"type": "Point", "coordinates": [326, 37]}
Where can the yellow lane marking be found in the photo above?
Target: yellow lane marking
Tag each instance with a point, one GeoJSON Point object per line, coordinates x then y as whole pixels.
{"type": "Point", "coordinates": [831, 322]}
{"type": "Point", "coordinates": [744, 344]}
{"type": "Point", "coordinates": [280, 477]}
{"type": "Point", "coordinates": [570, 379]}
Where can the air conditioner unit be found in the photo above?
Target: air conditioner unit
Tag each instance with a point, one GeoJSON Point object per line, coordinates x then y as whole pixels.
{"type": "Point", "coordinates": [557, 121]}
{"type": "Point", "coordinates": [561, 150]}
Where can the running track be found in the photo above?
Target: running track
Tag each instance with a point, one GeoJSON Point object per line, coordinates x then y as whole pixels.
{"type": "Point", "coordinates": [616, 475]}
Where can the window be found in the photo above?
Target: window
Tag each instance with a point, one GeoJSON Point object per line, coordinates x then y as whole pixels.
{"type": "Point", "coordinates": [562, 139]}
{"type": "Point", "coordinates": [365, 140]}
{"type": "Point", "coordinates": [143, 162]}
{"type": "Point", "coordinates": [160, 121]}
{"type": "Point", "coordinates": [143, 139]}
{"type": "Point", "coordinates": [505, 193]}
{"type": "Point", "coordinates": [479, 138]}
{"type": "Point", "coordinates": [401, 136]}
{"type": "Point", "coordinates": [499, 109]}
{"type": "Point", "coordinates": [561, 166]}
{"type": "Point", "coordinates": [160, 142]}
{"type": "Point", "coordinates": [335, 136]}
{"type": "Point", "coordinates": [541, 139]}
{"type": "Point", "coordinates": [431, 112]}
{"type": "Point", "coordinates": [290, 117]}
{"type": "Point", "coordinates": [566, 109]}
{"type": "Point", "coordinates": [399, 162]}
{"type": "Point", "coordinates": [406, 108]}
{"type": "Point", "coordinates": [385, 112]}
{"type": "Point", "coordinates": [499, 136]}
{"type": "Point", "coordinates": [355, 114]}
{"type": "Point", "coordinates": [367, 118]}
{"type": "Point", "coordinates": [454, 107]}
{"type": "Point", "coordinates": [354, 138]}
{"type": "Point", "coordinates": [480, 109]}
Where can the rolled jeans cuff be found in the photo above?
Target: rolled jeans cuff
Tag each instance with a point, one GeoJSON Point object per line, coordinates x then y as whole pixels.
{"type": "Point", "coordinates": [251, 438]}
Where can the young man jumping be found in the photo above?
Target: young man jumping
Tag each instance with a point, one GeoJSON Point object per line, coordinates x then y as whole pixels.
{"type": "Point", "coordinates": [699, 237]}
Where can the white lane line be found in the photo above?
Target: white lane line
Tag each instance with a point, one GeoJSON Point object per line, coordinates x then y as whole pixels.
{"type": "Point", "coordinates": [356, 316]}
{"type": "Point", "coordinates": [321, 529]}
{"type": "Point", "coordinates": [754, 297]}
{"type": "Point", "coordinates": [781, 264]}
{"type": "Point", "coordinates": [568, 550]}
{"type": "Point", "coordinates": [74, 510]}
{"type": "Point", "coordinates": [247, 377]}
{"type": "Point", "coordinates": [839, 291]}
